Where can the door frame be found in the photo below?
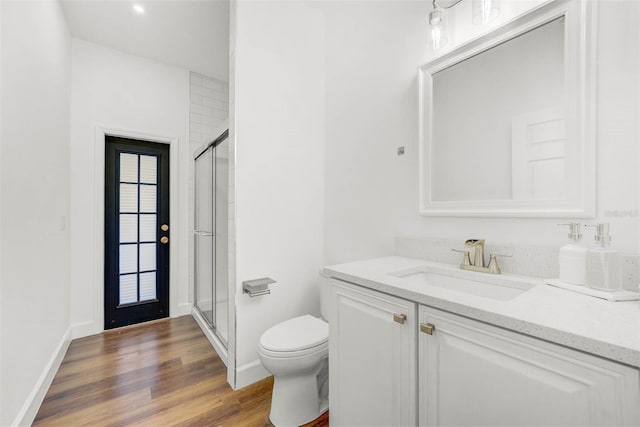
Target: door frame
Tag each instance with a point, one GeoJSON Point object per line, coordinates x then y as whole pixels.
{"type": "Point", "coordinates": [141, 310]}
{"type": "Point", "coordinates": [99, 217]}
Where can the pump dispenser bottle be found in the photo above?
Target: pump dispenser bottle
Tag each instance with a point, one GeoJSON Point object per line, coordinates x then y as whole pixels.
{"type": "Point", "coordinates": [573, 257]}
{"type": "Point", "coordinates": [603, 263]}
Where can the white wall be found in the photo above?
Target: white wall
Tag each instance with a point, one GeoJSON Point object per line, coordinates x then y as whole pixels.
{"type": "Point", "coordinates": [140, 97]}
{"type": "Point", "coordinates": [373, 50]}
{"type": "Point", "coordinates": [278, 110]}
{"type": "Point", "coordinates": [34, 176]}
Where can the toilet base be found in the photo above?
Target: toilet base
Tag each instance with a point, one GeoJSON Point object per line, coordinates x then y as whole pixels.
{"type": "Point", "coordinates": [297, 400]}
{"type": "Point", "coordinates": [303, 393]}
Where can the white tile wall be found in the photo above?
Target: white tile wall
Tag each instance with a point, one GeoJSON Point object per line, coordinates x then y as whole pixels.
{"type": "Point", "coordinates": [209, 108]}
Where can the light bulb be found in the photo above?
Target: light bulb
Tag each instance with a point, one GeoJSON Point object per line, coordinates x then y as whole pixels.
{"type": "Point", "coordinates": [436, 37]}
{"type": "Point", "coordinates": [484, 11]}
{"type": "Point", "coordinates": [437, 29]}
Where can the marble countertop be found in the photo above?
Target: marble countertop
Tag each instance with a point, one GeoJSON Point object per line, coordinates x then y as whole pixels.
{"type": "Point", "coordinates": [607, 329]}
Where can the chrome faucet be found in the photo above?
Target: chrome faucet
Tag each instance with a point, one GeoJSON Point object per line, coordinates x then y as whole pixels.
{"type": "Point", "coordinates": [473, 257]}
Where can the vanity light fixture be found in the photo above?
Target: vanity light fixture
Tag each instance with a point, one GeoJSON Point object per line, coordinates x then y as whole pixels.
{"type": "Point", "coordinates": [482, 11]}
{"type": "Point", "coordinates": [438, 34]}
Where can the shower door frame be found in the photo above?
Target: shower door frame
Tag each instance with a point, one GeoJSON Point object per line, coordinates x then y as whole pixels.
{"type": "Point", "coordinates": [213, 325]}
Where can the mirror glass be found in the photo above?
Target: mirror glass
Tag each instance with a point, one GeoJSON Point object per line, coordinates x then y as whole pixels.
{"type": "Point", "coordinates": [507, 120]}
{"type": "Point", "coordinates": [498, 121]}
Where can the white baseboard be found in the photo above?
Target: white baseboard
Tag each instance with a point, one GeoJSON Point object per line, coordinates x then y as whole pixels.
{"type": "Point", "coordinates": [250, 373]}
{"type": "Point", "coordinates": [84, 329]}
{"type": "Point", "coordinates": [31, 406]}
{"type": "Point", "coordinates": [182, 309]}
{"type": "Point", "coordinates": [218, 346]}
{"type": "Point", "coordinates": [231, 369]}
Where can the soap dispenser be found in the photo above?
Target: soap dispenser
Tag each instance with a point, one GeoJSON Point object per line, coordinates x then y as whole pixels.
{"type": "Point", "coordinates": [603, 262]}
{"type": "Point", "coordinates": [573, 257]}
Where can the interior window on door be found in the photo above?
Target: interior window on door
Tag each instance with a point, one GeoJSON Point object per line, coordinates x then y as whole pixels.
{"type": "Point", "coordinates": [138, 210]}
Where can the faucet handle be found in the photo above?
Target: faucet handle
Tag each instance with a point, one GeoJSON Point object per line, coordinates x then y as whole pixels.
{"type": "Point", "coordinates": [466, 258]}
{"type": "Point", "coordinates": [493, 266]}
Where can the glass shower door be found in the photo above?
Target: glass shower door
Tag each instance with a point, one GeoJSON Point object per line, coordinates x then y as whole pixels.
{"type": "Point", "coordinates": [221, 256]}
{"type": "Point", "coordinates": [204, 239]}
{"type": "Point", "coordinates": [211, 238]}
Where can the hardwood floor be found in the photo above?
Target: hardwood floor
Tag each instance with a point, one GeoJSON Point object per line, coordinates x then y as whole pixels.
{"type": "Point", "coordinates": [159, 374]}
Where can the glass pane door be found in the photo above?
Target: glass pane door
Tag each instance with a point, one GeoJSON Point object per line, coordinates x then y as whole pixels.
{"type": "Point", "coordinates": [204, 235]}
{"type": "Point", "coordinates": [211, 236]}
{"type": "Point", "coordinates": [222, 239]}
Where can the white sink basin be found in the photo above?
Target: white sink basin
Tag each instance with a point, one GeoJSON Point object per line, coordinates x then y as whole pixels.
{"type": "Point", "coordinates": [494, 287]}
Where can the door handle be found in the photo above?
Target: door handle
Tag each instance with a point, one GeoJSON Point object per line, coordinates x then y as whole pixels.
{"type": "Point", "coordinates": [203, 233]}
{"type": "Point", "coordinates": [427, 328]}
{"type": "Point", "coordinates": [399, 318]}
{"type": "Point", "coordinates": [164, 240]}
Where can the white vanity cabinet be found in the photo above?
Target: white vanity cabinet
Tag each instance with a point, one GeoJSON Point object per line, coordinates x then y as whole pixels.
{"type": "Point", "coordinates": [394, 362]}
{"type": "Point", "coordinates": [471, 373]}
{"type": "Point", "coordinates": [372, 358]}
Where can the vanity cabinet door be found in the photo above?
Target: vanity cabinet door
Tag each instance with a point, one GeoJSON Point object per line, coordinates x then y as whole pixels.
{"type": "Point", "coordinates": [474, 374]}
{"type": "Point", "coordinates": [372, 358]}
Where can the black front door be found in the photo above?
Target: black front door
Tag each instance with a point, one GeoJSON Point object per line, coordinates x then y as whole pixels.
{"type": "Point", "coordinates": [136, 285]}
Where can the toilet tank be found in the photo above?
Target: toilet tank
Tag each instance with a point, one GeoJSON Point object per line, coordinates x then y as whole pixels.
{"type": "Point", "coordinates": [325, 287]}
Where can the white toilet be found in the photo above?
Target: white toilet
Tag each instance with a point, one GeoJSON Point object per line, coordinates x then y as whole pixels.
{"type": "Point", "coordinates": [296, 353]}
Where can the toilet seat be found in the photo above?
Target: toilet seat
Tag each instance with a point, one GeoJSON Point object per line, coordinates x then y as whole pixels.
{"type": "Point", "coordinates": [322, 350]}
{"type": "Point", "coordinates": [296, 337]}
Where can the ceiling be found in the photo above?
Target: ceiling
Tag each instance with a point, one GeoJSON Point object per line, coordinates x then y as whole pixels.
{"type": "Point", "coordinates": [192, 34]}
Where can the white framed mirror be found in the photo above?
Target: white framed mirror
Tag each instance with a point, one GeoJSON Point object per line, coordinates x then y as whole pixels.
{"type": "Point", "coordinates": [507, 121]}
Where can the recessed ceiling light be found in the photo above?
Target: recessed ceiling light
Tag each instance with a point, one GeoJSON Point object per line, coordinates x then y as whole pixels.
{"type": "Point", "coordinates": [138, 9]}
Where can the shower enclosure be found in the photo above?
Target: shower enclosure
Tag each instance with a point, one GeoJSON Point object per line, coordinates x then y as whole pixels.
{"type": "Point", "coordinates": [211, 235]}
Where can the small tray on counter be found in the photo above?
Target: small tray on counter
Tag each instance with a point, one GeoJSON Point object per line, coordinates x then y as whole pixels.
{"type": "Point", "coordinates": [622, 295]}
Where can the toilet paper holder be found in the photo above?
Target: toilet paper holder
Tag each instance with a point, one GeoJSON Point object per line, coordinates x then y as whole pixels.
{"type": "Point", "coordinates": [257, 287]}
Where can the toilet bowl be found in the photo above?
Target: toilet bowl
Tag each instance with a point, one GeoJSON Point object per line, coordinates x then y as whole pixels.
{"type": "Point", "coordinates": [296, 353]}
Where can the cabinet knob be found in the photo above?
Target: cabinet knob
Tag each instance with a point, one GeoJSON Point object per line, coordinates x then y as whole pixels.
{"type": "Point", "coordinates": [400, 318]}
{"type": "Point", "coordinates": [427, 328]}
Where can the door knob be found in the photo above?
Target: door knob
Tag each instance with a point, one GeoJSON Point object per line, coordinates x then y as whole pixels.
{"type": "Point", "coordinates": [164, 227]}
{"type": "Point", "coordinates": [164, 240]}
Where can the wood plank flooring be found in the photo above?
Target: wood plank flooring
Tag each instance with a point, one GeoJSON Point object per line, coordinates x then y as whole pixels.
{"type": "Point", "coordinates": [162, 373]}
